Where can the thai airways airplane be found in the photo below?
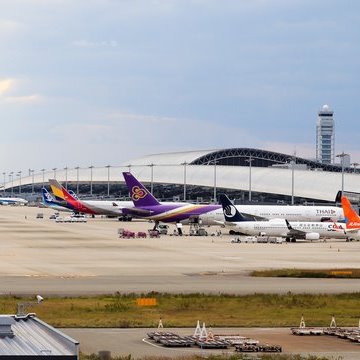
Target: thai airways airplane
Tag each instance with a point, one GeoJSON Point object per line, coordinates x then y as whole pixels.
{"type": "Point", "coordinates": [148, 207]}
{"type": "Point", "coordinates": [12, 201]}
{"type": "Point", "coordinates": [281, 227]}
{"type": "Point", "coordinates": [213, 214]}
{"type": "Point", "coordinates": [289, 212]}
{"type": "Point", "coordinates": [93, 207]}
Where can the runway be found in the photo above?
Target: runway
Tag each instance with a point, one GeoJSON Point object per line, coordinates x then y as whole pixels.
{"type": "Point", "coordinates": [39, 255]}
{"type": "Point", "coordinates": [232, 284]}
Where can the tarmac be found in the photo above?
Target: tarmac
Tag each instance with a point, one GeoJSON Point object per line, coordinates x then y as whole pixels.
{"type": "Point", "coordinates": [41, 256]}
{"type": "Point", "coordinates": [135, 342]}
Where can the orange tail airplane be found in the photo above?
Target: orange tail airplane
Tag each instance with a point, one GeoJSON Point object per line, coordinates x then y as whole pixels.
{"type": "Point", "coordinates": [351, 217]}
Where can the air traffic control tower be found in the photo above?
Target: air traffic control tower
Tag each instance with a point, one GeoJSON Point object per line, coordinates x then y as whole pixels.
{"type": "Point", "coordinates": [325, 136]}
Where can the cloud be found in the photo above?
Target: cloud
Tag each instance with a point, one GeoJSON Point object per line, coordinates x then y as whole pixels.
{"type": "Point", "coordinates": [27, 99]}
{"type": "Point", "coordinates": [95, 44]}
{"type": "Point", "coordinates": [125, 116]}
{"type": "Point", "coordinates": [9, 25]}
{"type": "Point", "coordinates": [5, 85]}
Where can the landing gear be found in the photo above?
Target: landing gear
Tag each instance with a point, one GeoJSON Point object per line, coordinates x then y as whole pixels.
{"type": "Point", "coordinates": [179, 228]}
{"type": "Point", "coordinates": [156, 225]}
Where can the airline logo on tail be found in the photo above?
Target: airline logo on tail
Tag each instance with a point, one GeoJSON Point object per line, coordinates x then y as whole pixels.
{"type": "Point", "coordinates": [352, 219]}
{"type": "Point", "coordinates": [229, 210]}
{"type": "Point", "coordinates": [47, 196]}
{"type": "Point", "coordinates": [57, 190]}
{"type": "Point", "coordinates": [138, 193]}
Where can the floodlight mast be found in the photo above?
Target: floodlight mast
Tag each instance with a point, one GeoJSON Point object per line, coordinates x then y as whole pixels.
{"type": "Point", "coordinates": [22, 307]}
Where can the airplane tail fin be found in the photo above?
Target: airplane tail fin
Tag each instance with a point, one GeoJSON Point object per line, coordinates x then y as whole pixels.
{"type": "Point", "coordinates": [60, 192]}
{"type": "Point", "coordinates": [230, 211]}
{"type": "Point", "coordinates": [352, 219]}
{"type": "Point", "coordinates": [73, 194]}
{"type": "Point", "coordinates": [46, 196]}
{"type": "Point", "coordinates": [338, 196]}
{"type": "Point", "coordinates": [138, 192]}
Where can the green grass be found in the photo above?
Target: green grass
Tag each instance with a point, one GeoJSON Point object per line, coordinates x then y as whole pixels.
{"type": "Point", "coordinates": [258, 310]}
{"type": "Point", "coordinates": [309, 273]}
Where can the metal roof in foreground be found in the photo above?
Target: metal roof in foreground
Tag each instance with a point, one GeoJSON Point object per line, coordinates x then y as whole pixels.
{"type": "Point", "coordinates": [28, 337]}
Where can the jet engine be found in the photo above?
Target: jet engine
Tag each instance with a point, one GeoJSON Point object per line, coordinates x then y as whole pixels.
{"type": "Point", "coordinates": [312, 236]}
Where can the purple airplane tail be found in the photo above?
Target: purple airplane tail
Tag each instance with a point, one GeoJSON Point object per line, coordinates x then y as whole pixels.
{"type": "Point", "coordinates": [138, 192]}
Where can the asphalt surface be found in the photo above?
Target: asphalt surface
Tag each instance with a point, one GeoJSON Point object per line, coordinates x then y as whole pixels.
{"type": "Point", "coordinates": [135, 342]}
{"type": "Point", "coordinates": [41, 256]}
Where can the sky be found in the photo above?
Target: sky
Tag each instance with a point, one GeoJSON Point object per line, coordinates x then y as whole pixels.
{"type": "Point", "coordinates": [97, 82]}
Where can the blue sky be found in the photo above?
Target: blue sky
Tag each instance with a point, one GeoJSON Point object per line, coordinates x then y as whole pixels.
{"type": "Point", "coordinates": [103, 81]}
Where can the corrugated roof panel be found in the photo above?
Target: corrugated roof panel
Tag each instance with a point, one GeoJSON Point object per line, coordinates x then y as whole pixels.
{"type": "Point", "coordinates": [34, 337]}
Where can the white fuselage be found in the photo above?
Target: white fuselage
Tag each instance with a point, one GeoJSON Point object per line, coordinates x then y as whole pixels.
{"type": "Point", "coordinates": [278, 227]}
{"type": "Point", "coordinates": [107, 207]}
{"type": "Point", "coordinates": [13, 201]}
{"type": "Point", "coordinates": [289, 212]}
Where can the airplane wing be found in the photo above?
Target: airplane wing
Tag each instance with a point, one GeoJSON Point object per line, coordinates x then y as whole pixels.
{"type": "Point", "coordinates": [294, 232]}
{"type": "Point", "coordinates": [250, 217]}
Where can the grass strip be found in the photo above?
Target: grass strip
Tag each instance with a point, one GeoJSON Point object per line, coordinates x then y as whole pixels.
{"type": "Point", "coordinates": [346, 273]}
{"type": "Point", "coordinates": [258, 310]}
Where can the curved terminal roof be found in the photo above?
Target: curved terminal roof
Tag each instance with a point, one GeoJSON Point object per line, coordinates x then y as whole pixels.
{"type": "Point", "coordinates": [229, 157]}
{"type": "Point", "coordinates": [172, 158]}
{"type": "Point", "coordinates": [227, 168]}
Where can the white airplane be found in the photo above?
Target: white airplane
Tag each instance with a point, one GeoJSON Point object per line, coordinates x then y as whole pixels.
{"type": "Point", "coordinates": [12, 201]}
{"type": "Point", "coordinates": [289, 212]}
{"type": "Point", "coordinates": [94, 207]}
{"type": "Point", "coordinates": [280, 227]}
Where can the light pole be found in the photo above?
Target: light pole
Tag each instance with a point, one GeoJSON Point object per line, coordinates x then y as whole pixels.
{"type": "Point", "coordinates": [152, 179]}
{"type": "Point", "coordinates": [108, 179]}
{"type": "Point", "coordinates": [43, 177]}
{"type": "Point", "coordinates": [185, 163]}
{"type": "Point", "coordinates": [355, 165]}
{"type": "Point", "coordinates": [249, 160]}
{"type": "Point", "coordinates": [19, 175]}
{"type": "Point", "coordinates": [215, 162]}
{"type": "Point", "coordinates": [12, 183]}
{"type": "Point", "coordinates": [4, 173]}
{"type": "Point", "coordinates": [91, 179]}
{"type": "Point", "coordinates": [31, 172]}
{"type": "Point", "coordinates": [293, 162]}
{"type": "Point", "coordinates": [66, 177]}
{"type": "Point", "coordinates": [341, 156]}
{"type": "Point", "coordinates": [77, 180]}
{"type": "Point", "coordinates": [129, 170]}
{"type": "Point", "coordinates": [54, 169]}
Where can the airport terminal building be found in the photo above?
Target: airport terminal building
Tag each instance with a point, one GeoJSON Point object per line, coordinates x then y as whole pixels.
{"type": "Point", "coordinates": [245, 173]}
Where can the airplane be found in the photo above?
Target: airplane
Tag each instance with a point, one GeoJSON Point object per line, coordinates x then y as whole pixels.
{"type": "Point", "coordinates": [280, 227]}
{"type": "Point", "coordinates": [290, 212]}
{"type": "Point", "coordinates": [148, 207]}
{"type": "Point", "coordinates": [50, 202]}
{"type": "Point", "coordinates": [352, 219]}
{"type": "Point", "coordinates": [93, 207]}
{"type": "Point", "coordinates": [12, 201]}
{"type": "Point", "coordinates": [213, 214]}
